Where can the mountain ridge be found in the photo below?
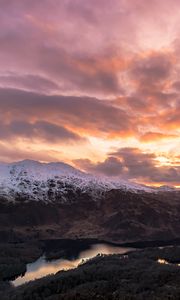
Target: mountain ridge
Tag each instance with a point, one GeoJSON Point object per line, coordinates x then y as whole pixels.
{"type": "Point", "coordinates": [34, 180]}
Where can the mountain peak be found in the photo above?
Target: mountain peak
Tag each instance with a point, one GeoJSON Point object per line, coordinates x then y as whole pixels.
{"type": "Point", "coordinates": [26, 162]}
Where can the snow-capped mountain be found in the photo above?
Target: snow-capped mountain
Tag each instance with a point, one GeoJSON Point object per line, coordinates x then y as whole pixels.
{"type": "Point", "coordinates": [55, 200]}
{"type": "Point", "coordinates": [33, 180]}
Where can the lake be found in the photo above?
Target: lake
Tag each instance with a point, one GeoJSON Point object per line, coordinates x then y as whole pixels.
{"type": "Point", "coordinates": [41, 267]}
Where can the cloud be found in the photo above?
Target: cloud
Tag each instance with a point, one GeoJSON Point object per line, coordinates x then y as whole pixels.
{"type": "Point", "coordinates": [28, 82]}
{"type": "Point", "coordinates": [133, 164]}
{"type": "Point", "coordinates": [85, 113]}
{"type": "Point", "coordinates": [47, 51]}
{"type": "Point", "coordinates": [152, 69]}
{"type": "Point", "coordinates": [40, 130]}
{"type": "Point", "coordinates": [110, 167]}
{"type": "Point", "coordinates": [151, 76]}
{"type": "Point", "coordinates": [148, 137]}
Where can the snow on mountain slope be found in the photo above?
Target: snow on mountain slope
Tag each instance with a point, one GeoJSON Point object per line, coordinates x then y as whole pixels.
{"type": "Point", "coordinates": [32, 180]}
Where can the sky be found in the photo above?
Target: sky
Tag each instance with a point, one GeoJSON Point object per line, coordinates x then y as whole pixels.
{"type": "Point", "coordinates": [95, 84]}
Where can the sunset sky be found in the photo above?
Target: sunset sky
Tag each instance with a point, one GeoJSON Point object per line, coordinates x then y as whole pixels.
{"type": "Point", "coordinates": [94, 83]}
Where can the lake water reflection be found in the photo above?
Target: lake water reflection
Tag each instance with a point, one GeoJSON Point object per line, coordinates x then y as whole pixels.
{"type": "Point", "coordinates": [41, 267]}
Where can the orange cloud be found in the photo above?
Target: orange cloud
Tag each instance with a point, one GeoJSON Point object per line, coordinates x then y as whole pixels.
{"type": "Point", "coordinates": [148, 137]}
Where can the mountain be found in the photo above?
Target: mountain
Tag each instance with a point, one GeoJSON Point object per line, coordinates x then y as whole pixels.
{"type": "Point", "coordinates": [51, 181]}
{"type": "Point", "coordinates": [55, 200]}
